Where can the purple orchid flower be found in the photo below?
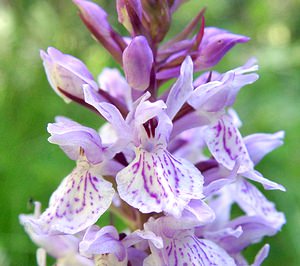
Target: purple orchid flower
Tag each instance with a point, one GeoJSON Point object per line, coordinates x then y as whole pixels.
{"type": "Point", "coordinates": [84, 195]}
{"type": "Point", "coordinates": [106, 247]}
{"type": "Point", "coordinates": [183, 247]}
{"type": "Point", "coordinates": [170, 164]}
{"type": "Point", "coordinates": [151, 182]}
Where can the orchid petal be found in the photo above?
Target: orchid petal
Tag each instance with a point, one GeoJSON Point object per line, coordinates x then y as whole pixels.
{"type": "Point", "coordinates": [114, 83]}
{"type": "Point", "coordinates": [253, 202]}
{"type": "Point", "coordinates": [79, 201]}
{"type": "Point", "coordinates": [107, 110]}
{"type": "Point", "coordinates": [221, 91]}
{"type": "Point", "coordinates": [98, 241]}
{"type": "Point", "coordinates": [258, 145]}
{"type": "Point", "coordinates": [215, 44]}
{"type": "Point", "coordinates": [41, 257]}
{"type": "Point", "coordinates": [226, 144]}
{"type": "Point", "coordinates": [56, 245]}
{"type": "Point", "coordinates": [182, 88]}
{"type": "Point", "coordinates": [157, 181]}
{"type": "Point", "coordinates": [72, 137]}
{"type": "Point", "coordinates": [261, 255]}
{"type": "Point", "coordinates": [267, 184]}
{"type": "Point", "coordinates": [186, 249]}
{"type": "Point", "coordinates": [254, 228]}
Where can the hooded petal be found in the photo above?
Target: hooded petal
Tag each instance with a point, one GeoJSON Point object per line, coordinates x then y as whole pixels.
{"type": "Point", "coordinates": [226, 144]}
{"type": "Point", "coordinates": [182, 88]}
{"type": "Point", "coordinates": [137, 63]}
{"type": "Point", "coordinates": [73, 137]}
{"type": "Point", "coordinates": [79, 201]}
{"type": "Point", "coordinates": [66, 73]}
{"type": "Point", "coordinates": [157, 181]}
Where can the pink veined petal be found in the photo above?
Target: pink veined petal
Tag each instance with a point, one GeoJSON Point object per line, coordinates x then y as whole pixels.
{"type": "Point", "coordinates": [79, 201]}
{"type": "Point", "coordinates": [253, 202]}
{"type": "Point", "coordinates": [182, 88]}
{"type": "Point", "coordinates": [157, 181]}
{"type": "Point", "coordinates": [186, 249]}
{"type": "Point", "coordinates": [226, 144]}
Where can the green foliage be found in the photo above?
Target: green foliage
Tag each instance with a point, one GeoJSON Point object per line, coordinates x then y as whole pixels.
{"type": "Point", "coordinates": [30, 167]}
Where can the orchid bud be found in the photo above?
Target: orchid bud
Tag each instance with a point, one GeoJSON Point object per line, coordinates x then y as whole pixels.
{"type": "Point", "coordinates": [130, 15]}
{"type": "Point", "coordinates": [137, 63]}
{"type": "Point", "coordinates": [95, 18]}
{"type": "Point", "coordinates": [66, 74]}
{"type": "Point", "coordinates": [215, 44]}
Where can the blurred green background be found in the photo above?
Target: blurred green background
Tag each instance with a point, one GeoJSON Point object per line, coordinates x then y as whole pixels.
{"type": "Point", "coordinates": [30, 167]}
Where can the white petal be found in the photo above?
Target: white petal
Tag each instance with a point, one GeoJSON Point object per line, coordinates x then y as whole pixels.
{"type": "Point", "coordinates": [82, 197]}
{"type": "Point", "coordinates": [157, 181]}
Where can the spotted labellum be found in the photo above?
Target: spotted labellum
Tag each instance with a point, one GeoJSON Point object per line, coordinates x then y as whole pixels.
{"type": "Point", "coordinates": [169, 162]}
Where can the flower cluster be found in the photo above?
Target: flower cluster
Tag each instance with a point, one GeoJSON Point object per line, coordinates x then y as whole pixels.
{"type": "Point", "coordinates": [170, 161]}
